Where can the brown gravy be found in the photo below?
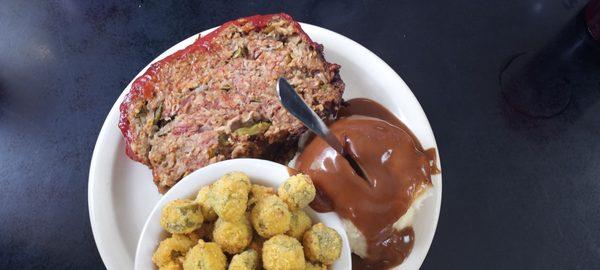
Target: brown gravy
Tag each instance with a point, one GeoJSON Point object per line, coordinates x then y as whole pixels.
{"type": "Point", "coordinates": [397, 167]}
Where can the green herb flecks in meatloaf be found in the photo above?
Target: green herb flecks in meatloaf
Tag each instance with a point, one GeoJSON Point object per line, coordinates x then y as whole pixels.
{"type": "Point", "coordinates": [216, 99]}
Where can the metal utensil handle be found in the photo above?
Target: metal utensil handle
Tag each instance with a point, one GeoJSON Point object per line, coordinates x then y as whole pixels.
{"type": "Point", "coordinates": [298, 108]}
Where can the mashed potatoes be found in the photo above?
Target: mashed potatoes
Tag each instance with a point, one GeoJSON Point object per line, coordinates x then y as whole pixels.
{"type": "Point", "coordinates": [357, 241]}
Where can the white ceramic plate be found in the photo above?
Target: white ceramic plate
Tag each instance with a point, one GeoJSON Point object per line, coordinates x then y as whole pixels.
{"type": "Point", "coordinates": [121, 193]}
{"type": "Point", "coordinates": [260, 172]}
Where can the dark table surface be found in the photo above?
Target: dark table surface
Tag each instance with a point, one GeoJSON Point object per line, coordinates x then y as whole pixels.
{"type": "Point", "coordinates": [519, 193]}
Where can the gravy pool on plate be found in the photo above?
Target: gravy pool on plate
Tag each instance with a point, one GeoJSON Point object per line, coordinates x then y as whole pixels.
{"type": "Point", "coordinates": [398, 171]}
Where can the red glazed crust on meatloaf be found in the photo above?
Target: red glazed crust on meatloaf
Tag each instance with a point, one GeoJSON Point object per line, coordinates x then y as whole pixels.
{"type": "Point", "coordinates": [216, 99]}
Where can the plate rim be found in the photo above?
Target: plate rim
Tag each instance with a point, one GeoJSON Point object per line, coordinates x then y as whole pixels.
{"type": "Point", "coordinates": [103, 136]}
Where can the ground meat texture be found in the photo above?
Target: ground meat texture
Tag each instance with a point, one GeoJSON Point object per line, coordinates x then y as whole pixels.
{"type": "Point", "coordinates": [216, 99]}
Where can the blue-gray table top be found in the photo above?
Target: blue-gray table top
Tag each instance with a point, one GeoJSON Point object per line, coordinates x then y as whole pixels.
{"type": "Point", "coordinates": [519, 192]}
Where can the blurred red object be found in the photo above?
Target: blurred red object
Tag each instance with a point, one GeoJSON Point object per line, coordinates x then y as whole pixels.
{"type": "Point", "coordinates": [592, 18]}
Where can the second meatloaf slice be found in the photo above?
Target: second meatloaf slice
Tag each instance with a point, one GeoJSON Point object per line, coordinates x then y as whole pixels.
{"type": "Point", "coordinates": [216, 99]}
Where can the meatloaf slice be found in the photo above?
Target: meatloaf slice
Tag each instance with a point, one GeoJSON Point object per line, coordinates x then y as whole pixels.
{"type": "Point", "coordinates": [216, 99]}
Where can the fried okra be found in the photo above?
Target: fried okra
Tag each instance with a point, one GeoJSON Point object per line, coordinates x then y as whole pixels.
{"type": "Point", "coordinates": [171, 250]}
{"type": "Point", "coordinates": [229, 196]}
{"type": "Point", "coordinates": [257, 243]}
{"type": "Point", "coordinates": [181, 216]}
{"type": "Point", "coordinates": [202, 199]}
{"type": "Point", "coordinates": [258, 192]}
{"type": "Point", "coordinates": [299, 224]}
{"type": "Point", "coordinates": [283, 252]}
{"type": "Point", "coordinates": [297, 191]}
{"type": "Point", "coordinates": [315, 266]}
{"type": "Point", "coordinates": [270, 216]}
{"type": "Point", "coordinates": [171, 266]}
{"type": "Point", "coordinates": [205, 256]}
{"type": "Point", "coordinates": [247, 260]}
{"type": "Point", "coordinates": [322, 244]}
{"type": "Point", "coordinates": [205, 232]}
{"type": "Point", "coordinates": [257, 226]}
{"type": "Point", "coordinates": [233, 237]}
